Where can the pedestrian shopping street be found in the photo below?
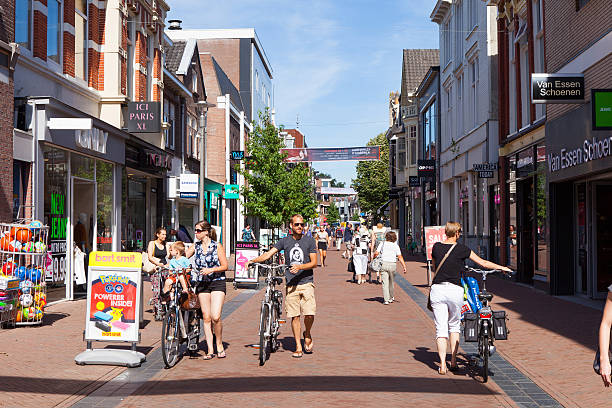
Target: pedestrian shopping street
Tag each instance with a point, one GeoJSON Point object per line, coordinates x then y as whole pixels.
{"type": "Point", "coordinates": [365, 354]}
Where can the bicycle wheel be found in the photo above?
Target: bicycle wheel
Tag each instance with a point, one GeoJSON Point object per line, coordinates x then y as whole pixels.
{"type": "Point", "coordinates": [264, 330]}
{"type": "Point", "coordinates": [484, 355]}
{"type": "Point", "coordinates": [170, 339]}
{"type": "Point", "coordinates": [274, 328]}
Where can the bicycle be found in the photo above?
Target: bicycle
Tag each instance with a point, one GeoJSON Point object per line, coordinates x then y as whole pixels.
{"type": "Point", "coordinates": [271, 309]}
{"type": "Point", "coordinates": [174, 331]}
{"type": "Point", "coordinates": [485, 327]}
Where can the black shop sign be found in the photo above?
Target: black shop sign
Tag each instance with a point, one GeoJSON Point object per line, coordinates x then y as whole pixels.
{"type": "Point", "coordinates": [557, 88]}
{"type": "Point", "coordinates": [426, 168]}
{"type": "Point", "coordinates": [485, 170]}
{"type": "Point", "coordinates": [144, 117]}
{"type": "Point", "coordinates": [414, 181]}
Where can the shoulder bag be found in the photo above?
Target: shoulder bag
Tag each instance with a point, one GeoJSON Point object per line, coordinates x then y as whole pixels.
{"type": "Point", "coordinates": [351, 266]}
{"type": "Point", "coordinates": [437, 269]}
{"type": "Point", "coordinates": [189, 300]}
{"type": "Point", "coordinates": [147, 265]}
{"type": "Point", "coordinates": [377, 262]}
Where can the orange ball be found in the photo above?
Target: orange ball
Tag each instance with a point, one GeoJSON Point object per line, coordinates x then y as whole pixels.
{"type": "Point", "coordinates": [5, 243]}
{"type": "Point", "coordinates": [22, 234]}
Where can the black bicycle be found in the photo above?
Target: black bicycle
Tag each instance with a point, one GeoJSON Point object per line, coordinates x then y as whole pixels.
{"type": "Point", "coordinates": [271, 310]}
{"type": "Point", "coordinates": [181, 328]}
{"type": "Point", "coordinates": [489, 325]}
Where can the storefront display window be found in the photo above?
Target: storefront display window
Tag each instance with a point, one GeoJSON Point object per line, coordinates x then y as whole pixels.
{"type": "Point", "coordinates": [512, 231]}
{"type": "Point", "coordinates": [541, 211]}
{"type": "Point", "coordinates": [56, 216]}
{"type": "Point", "coordinates": [82, 167]}
{"type": "Point", "coordinates": [135, 231]}
{"type": "Point", "coordinates": [104, 180]}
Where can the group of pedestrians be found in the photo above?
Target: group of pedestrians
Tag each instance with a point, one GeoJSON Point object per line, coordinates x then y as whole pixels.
{"type": "Point", "coordinates": [207, 277]}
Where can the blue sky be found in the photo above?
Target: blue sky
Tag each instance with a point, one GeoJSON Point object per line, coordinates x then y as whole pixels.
{"type": "Point", "coordinates": [334, 61]}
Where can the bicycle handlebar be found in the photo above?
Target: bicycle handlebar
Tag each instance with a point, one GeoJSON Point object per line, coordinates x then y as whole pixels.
{"type": "Point", "coordinates": [485, 272]}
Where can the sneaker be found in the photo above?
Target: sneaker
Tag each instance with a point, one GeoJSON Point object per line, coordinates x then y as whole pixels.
{"type": "Point", "coordinates": [392, 299]}
{"type": "Point", "coordinates": [386, 303]}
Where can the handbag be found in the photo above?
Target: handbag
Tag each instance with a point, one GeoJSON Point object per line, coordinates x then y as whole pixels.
{"type": "Point", "coordinates": [377, 262]}
{"type": "Point", "coordinates": [437, 269]}
{"type": "Point", "coordinates": [351, 266]}
{"type": "Point", "coordinates": [147, 266]}
{"type": "Point", "coordinates": [189, 300]}
{"type": "Point", "coordinates": [596, 366]}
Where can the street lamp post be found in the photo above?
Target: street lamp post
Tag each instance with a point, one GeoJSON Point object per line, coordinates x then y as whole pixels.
{"type": "Point", "coordinates": [202, 119]}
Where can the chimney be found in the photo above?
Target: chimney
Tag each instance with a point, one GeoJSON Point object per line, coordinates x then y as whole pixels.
{"type": "Point", "coordinates": [175, 24]}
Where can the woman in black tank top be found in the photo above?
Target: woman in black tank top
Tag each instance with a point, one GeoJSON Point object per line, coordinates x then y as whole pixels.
{"type": "Point", "coordinates": [158, 255]}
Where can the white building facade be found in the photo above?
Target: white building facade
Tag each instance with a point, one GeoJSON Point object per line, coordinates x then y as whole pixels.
{"type": "Point", "coordinates": [468, 114]}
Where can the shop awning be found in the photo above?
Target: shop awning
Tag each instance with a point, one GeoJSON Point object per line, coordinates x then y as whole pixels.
{"type": "Point", "coordinates": [213, 187]}
{"type": "Point", "coordinates": [382, 207]}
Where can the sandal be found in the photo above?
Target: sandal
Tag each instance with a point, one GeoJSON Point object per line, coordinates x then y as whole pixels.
{"type": "Point", "coordinates": [208, 357]}
{"type": "Point", "coordinates": [308, 350]}
{"type": "Point", "coordinates": [221, 354]}
{"type": "Point", "coordinates": [297, 354]}
{"type": "Point", "coordinates": [441, 372]}
{"type": "Point", "coordinates": [453, 368]}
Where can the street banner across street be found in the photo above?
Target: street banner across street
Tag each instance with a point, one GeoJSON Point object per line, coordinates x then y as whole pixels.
{"type": "Point", "coordinates": [113, 296]}
{"type": "Point", "coordinates": [432, 235]}
{"type": "Point", "coordinates": [366, 153]}
{"type": "Point", "coordinates": [245, 251]}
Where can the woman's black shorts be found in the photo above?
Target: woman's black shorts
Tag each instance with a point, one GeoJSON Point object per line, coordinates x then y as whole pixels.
{"type": "Point", "coordinates": [322, 245]}
{"type": "Point", "coordinates": [211, 286]}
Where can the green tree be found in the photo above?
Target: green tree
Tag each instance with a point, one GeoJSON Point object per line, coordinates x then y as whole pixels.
{"type": "Point", "coordinates": [355, 217]}
{"type": "Point", "coordinates": [372, 182]}
{"type": "Point", "coordinates": [333, 215]}
{"type": "Point", "coordinates": [274, 190]}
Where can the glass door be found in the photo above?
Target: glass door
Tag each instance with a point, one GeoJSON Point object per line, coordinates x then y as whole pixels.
{"type": "Point", "coordinates": [83, 223]}
{"type": "Point", "coordinates": [580, 238]}
{"type": "Point", "coordinates": [602, 235]}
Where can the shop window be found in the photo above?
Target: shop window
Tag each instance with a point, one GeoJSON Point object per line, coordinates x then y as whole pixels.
{"type": "Point", "coordinates": [512, 231]}
{"type": "Point", "coordinates": [135, 218]}
{"type": "Point", "coordinates": [56, 216]}
{"type": "Point", "coordinates": [23, 23]}
{"type": "Point", "coordinates": [459, 35]}
{"type": "Point", "coordinates": [82, 167]}
{"type": "Point", "coordinates": [80, 39]}
{"type": "Point", "coordinates": [54, 31]}
{"type": "Point", "coordinates": [130, 58]}
{"type": "Point", "coordinates": [475, 80]}
{"type": "Point", "coordinates": [105, 194]}
{"type": "Point", "coordinates": [541, 211]}
{"type": "Point", "coordinates": [473, 13]}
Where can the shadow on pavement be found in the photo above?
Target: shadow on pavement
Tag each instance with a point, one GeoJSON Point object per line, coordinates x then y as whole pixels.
{"type": "Point", "coordinates": [258, 384]}
{"type": "Point", "coordinates": [142, 349]}
{"type": "Point", "coordinates": [378, 299]}
{"type": "Point", "coordinates": [51, 318]}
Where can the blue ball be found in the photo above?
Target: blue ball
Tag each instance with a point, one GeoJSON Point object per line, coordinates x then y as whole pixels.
{"type": "Point", "coordinates": [22, 273]}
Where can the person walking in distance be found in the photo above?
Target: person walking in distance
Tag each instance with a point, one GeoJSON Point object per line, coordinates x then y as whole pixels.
{"type": "Point", "coordinates": [391, 253]}
{"type": "Point", "coordinates": [361, 245]}
{"type": "Point", "coordinates": [446, 295]}
{"type": "Point", "coordinates": [301, 255]}
{"type": "Point", "coordinates": [338, 238]}
{"type": "Point", "coordinates": [378, 236]}
{"type": "Point", "coordinates": [323, 239]}
{"type": "Point", "coordinates": [348, 238]}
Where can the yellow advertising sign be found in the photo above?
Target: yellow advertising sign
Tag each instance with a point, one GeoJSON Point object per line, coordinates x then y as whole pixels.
{"type": "Point", "coordinates": [131, 260]}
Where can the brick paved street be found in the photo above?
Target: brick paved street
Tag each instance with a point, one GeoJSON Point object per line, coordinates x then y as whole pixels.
{"type": "Point", "coordinates": [366, 354]}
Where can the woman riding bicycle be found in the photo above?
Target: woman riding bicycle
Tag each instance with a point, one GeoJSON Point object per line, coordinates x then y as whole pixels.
{"type": "Point", "coordinates": [209, 282]}
{"type": "Point", "coordinates": [446, 293]}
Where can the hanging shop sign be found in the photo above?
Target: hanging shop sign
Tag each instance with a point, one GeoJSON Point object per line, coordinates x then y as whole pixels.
{"type": "Point", "coordinates": [426, 168]}
{"type": "Point", "coordinates": [601, 106]}
{"type": "Point", "coordinates": [144, 117]}
{"type": "Point", "coordinates": [231, 191]}
{"type": "Point", "coordinates": [189, 185]}
{"type": "Point", "coordinates": [237, 154]}
{"type": "Point", "coordinates": [113, 299]}
{"type": "Point", "coordinates": [414, 181]}
{"type": "Point", "coordinates": [557, 88]}
{"type": "Point", "coordinates": [246, 251]}
{"type": "Point", "coordinates": [485, 170]}
{"type": "Point", "coordinates": [366, 153]}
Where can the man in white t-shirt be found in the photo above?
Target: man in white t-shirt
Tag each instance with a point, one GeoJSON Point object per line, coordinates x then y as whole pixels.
{"type": "Point", "coordinates": [390, 253]}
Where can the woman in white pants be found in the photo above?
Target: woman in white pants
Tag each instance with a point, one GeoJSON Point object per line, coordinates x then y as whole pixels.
{"type": "Point", "coordinates": [390, 253]}
{"type": "Point", "coordinates": [361, 241]}
{"type": "Point", "coordinates": [446, 293]}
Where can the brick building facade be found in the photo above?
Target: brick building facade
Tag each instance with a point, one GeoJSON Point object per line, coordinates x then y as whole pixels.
{"type": "Point", "coordinates": [7, 55]}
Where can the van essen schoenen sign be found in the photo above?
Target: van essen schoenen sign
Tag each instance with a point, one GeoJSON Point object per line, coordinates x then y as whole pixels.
{"type": "Point", "coordinates": [591, 150]}
{"type": "Point", "coordinates": [557, 88]}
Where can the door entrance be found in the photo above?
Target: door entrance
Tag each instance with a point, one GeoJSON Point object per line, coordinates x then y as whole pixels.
{"type": "Point", "coordinates": [525, 215]}
{"type": "Point", "coordinates": [602, 226]}
{"type": "Point", "coordinates": [83, 224]}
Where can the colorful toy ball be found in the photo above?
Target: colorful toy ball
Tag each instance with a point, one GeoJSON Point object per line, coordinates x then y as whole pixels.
{"type": "Point", "coordinates": [26, 300]}
{"type": "Point", "coordinates": [34, 225]}
{"type": "Point", "coordinates": [28, 247]}
{"type": "Point", "coordinates": [33, 274]}
{"type": "Point", "coordinates": [40, 247]}
{"type": "Point", "coordinates": [9, 268]}
{"type": "Point", "coordinates": [21, 234]}
{"type": "Point", "coordinates": [19, 317]}
{"type": "Point", "coordinates": [40, 299]}
{"type": "Point", "coordinates": [6, 244]}
{"type": "Point", "coordinates": [22, 272]}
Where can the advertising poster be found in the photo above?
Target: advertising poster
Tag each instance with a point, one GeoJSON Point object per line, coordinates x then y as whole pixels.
{"type": "Point", "coordinates": [433, 235]}
{"type": "Point", "coordinates": [365, 153]}
{"type": "Point", "coordinates": [245, 251]}
{"type": "Point", "coordinates": [113, 300]}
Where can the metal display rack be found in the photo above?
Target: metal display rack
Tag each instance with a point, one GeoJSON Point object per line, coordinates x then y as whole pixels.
{"type": "Point", "coordinates": [23, 256]}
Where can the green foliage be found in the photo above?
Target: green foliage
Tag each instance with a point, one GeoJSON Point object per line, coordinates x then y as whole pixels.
{"type": "Point", "coordinates": [372, 182]}
{"type": "Point", "coordinates": [333, 215]}
{"type": "Point", "coordinates": [274, 190]}
{"type": "Point", "coordinates": [355, 217]}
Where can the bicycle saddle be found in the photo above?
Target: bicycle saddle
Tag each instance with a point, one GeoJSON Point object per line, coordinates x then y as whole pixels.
{"type": "Point", "coordinates": [485, 295]}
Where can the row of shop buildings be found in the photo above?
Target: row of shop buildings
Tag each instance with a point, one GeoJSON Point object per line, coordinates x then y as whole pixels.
{"type": "Point", "coordinates": [102, 123]}
{"type": "Point", "coordinates": [529, 182]}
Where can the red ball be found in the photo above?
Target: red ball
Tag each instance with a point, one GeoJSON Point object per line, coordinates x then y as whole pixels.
{"type": "Point", "coordinates": [8, 268]}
